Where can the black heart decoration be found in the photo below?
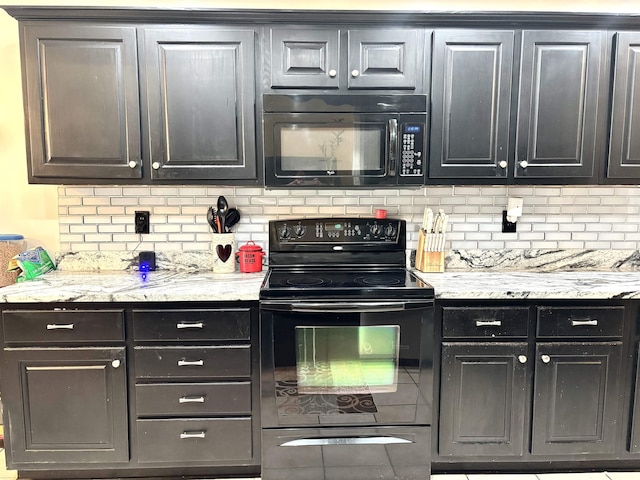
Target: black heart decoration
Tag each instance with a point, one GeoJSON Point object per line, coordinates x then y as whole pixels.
{"type": "Point", "coordinates": [223, 252]}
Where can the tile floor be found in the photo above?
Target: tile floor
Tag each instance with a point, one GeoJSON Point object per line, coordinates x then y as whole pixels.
{"type": "Point", "coordinates": [12, 475]}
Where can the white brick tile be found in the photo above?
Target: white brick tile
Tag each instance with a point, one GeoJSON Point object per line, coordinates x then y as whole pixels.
{"type": "Point", "coordinates": [624, 245]}
{"type": "Point", "coordinates": [571, 227]}
{"type": "Point", "coordinates": [167, 228]}
{"type": "Point", "coordinates": [531, 236]}
{"type": "Point", "coordinates": [135, 191]}
{"type": "Point", "coordinates": [547, 209]}
{"type": "Point", "coordinates": [545, 227]}
{"type": "Point", "coordinates": [175, 210]}
{"type": "Point", "coordinates": [180, 219]}
{"type": "Point", "coordinates": [479, 236]}
{"type": "Point", "coordinates": [575, 209]}
{"type": "Point", "coordinates": [95, 201]}
{"type": "Point", "coordinates": [468, 191]}
{"type": "Point", "coordinates": [111, 211]}
{"type": "Point", "coordinates": [79, 191]}
{"type": "Point", "coordinates": [69, 238]}
{"type": "Point", "coordinates": [491, 245]}
{"type": "Point", "coordinates": [597, 245]}
{"type": "Point", "coordinates": [109, 228]}
{"type": "Point", "coordinates": [464, 245]}
{"type": "Point", "coordinates": [111, 246]}
{"type": "Point", "coordinates": [81, 247]}
{"type": "Point", "coordinates": [545, 244]}
{"type": "Point", "coordinates": [126, 201]}
{"type": "Point", "coordinates": [68, 201]}
{"type": "Point", "coordinates": [83, 228]}
{"type": "Point", "coordinates": [97, 237]}
{"type": "Point", "coordinates": [180, 201]}
{"type": "Point", "coordinates": [151, 201]}
{"type": "Point", "coordinates": [559, 236]}
{"type": "Point", "coordinates": [585, 236]}
{"type": "Point", "coordinates": [517, 244]}
{"type": "Point", "coordinates": [181, 237]}
{"type": "Point", "coordinates": [107, 191]}
{"type": "Point", "coordinates": [571, 244]}
{"type": "Point", "coordinates": [598, 227]}
{"type": "Point", "coordinates": [83, 210]}
{"type": "Point", "coordinates": [466, 209]}
{"type": "Point", "coordinates": [201, 192]}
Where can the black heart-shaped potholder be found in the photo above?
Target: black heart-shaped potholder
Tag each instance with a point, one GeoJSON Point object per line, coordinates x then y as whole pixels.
{"type": "Point", "coordinates": [223, 252]}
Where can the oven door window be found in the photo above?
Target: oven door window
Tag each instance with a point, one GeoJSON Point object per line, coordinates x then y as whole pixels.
{"type": "Point", "coordinates": [347, 360]}
{"type": "Point", "coordinates": [355, 149]}
{"type": "Point", "coordinates": [347, 368]}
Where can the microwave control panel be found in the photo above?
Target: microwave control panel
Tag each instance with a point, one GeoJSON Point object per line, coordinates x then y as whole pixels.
{"type": "Point", "coordinates": [412, 158]}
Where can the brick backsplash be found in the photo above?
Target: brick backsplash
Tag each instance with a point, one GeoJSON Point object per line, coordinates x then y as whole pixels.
{"type": "Point", "coordinates": [566, 217]}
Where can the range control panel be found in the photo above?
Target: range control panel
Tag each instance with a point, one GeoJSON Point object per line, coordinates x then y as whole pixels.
{"type": "Point", "coordinates": [337, 230]}
{"type": "Point", "coordinates": [411, 155]}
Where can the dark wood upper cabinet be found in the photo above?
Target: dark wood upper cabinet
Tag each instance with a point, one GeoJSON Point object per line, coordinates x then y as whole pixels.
{"type": "Point", "coordinates": [471, 98]}
{"type": "Point", "coordinates": [81, 101]}
{"type": "Point", "coordinates": [562, 79]}
{"type": "Point", "coordinates": [346, 59]}
{"type": "Point", "coordinates": [198, 97]}
{"type": "Point", "coordinates": [624, 143]}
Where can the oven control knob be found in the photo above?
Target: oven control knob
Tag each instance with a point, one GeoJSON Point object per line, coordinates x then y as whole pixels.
{"type": "Point", "coordinates": [375, 229]}
{"type": "Point", "coordinates": [300, 230]}
{"type": "Point", "coordinates": [285, 232]}
{"type": "Point", "coordinates": [390, 231]}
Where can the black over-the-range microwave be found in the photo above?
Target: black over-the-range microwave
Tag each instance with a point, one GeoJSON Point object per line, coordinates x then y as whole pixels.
{"type": "Point", "coordinates": [344, 140]}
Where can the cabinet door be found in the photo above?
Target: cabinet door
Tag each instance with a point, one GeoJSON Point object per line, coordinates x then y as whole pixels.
{"type": "Point", "coordinates": [624, 147]}
{"type": "Point", "coordinates": [482, 399]}
{"type": "Point", "coordinates": [67, 405]}
{"type": "Point", "coordinates": [575, 398]}
{"type": "Point", "coordinates": [471, 98]}
{"type": "Point", "coordinates": [305, 58]}
{"type": "Point", "coordinates": [198, 90]}
{"type": "Point", "coordinates": [634, 446]}
{"type": "Point", "coordinates": [561, 80]}
{"type": "Point", "coordinates": [81, 99]}
{"type": "Point", "coordinates": [385, 58]}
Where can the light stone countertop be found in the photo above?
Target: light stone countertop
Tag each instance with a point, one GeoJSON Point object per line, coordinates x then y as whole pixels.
{"type": "Point", "coordinates": [534, 285]}
{"type": "Point", "coordinates": [129, 286]}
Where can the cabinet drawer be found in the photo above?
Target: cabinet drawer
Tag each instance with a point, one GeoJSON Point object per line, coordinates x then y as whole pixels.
{"type": "Point", "coordinates": [580, 321]}
{"type": "Point", "coordinates": [188, 399]}
{"type": "Point", "coordinates": [62, 326]}
{"type": "Point", "coordinates": [180, 325]}
{"type": "Point", "coordinates": [193, 362]}
{"type": "Point", "coordinates": [467, 322]}
{"type": "Point", "coordinates": [194, 440]}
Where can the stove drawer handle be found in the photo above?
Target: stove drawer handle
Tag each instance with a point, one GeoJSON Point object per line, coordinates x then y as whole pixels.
{"type": "Point", "coordinates": [318, 442]}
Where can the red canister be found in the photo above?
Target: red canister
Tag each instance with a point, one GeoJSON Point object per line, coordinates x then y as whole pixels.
{"type": "Point", "coordinates": [250, 256]}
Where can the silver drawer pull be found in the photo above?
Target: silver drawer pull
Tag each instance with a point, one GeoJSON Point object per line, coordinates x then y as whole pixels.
{"type": "Point", "coordinates": [488, 323]}
{"type": "Point", "coordinates": [190, 325]}
{"type": "Point", "coordinates": [184, 435]}
{"type": "Point", "coordinates": [187, 363]}
{"type": "Point", "coordinates": [583, 323]}
{"type": "Point", "coordinates": [56, 326]}
{"type": "Point", "coordinates": [545, 358]}
{"type": "Point", "coordinates": [191, 400]}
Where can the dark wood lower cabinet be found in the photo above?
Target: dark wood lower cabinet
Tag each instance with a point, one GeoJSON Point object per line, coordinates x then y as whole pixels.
{"type": "Point", "coordinates": [575, 402]}
{"type": "Point", "coordinates": [66, 405]}
{"type": "Point", "coordinates": [482, 398]}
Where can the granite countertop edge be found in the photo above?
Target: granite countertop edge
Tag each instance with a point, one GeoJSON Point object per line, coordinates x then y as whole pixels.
{"type": "Point", "coordinates": [172, 286]}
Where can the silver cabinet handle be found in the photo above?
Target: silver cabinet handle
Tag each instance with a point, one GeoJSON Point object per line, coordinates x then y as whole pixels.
{"type": "Point", "coordinates": [522, 359]}
{"type": "Point", "coordinates": [133, 164]}
{"type": "Point", "coordinates": [56, 326]}
{"type": "Point", "coordinates": [584, 323]}
{"type": "Point", "coordinates": [155, 165]}
{"type": "Point", "coordinates": [191, 399]}
{"type": "Point", "coordinates": [186, 363]}
{"type": "Point", "coordinates": [318, 442]}
{"type": "Point", "coordinates": [115, 363]}
{"type": "Point", "coordinates": [488, 323]}
{"type": "Point", "coordinates": [355, 73]}
{"type": "Point", "coordinates": [184, 435]}
{"type": "Point", "coordinates": [503, 164]}
{"type": "Point", "coordinates": [545, 358]}
{"type": "Point", "coordinates": [190, 325]}
{"type": "Point", "coordinates": [333, 73]}
{"type": "Point", "coordinates": [524, 164]}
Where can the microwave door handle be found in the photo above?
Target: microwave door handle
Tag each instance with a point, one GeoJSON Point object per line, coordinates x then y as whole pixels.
{"type": "Point", "coordinates": [393, 146]}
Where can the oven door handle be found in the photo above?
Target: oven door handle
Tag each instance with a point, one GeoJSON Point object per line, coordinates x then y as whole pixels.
{"type": "Point", "coordinates": [393, 146]}
{"type": "Point", "coordinates": [344, 307]}
{"type": "Point", "coordinates": [319, 442]}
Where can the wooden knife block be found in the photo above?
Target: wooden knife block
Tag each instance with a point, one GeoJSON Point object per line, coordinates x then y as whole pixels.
{"type": "Point", "coordinates": [428, 262]}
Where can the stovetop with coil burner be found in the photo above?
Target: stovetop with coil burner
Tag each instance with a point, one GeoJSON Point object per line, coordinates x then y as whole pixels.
{"type": "Point", "coordinates": [340, 258]}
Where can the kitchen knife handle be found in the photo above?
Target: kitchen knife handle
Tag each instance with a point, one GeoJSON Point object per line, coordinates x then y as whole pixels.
{"type": "Point", "coordinates": [393, 146]}
{"type": "Point", "coordinates": [187, 363]}
{"type": "Point", "coordinates": [488, 323]}
{"type": "Point", "coordinates": [587, 322]}
{"type": "Point", "coordinates": [57, 326]}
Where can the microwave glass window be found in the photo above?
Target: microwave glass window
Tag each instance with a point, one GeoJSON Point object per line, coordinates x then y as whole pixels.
{"type": "Point", "coordinates": [347, 360]}
{"type": "Point", "coordinates": [311, 148]}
